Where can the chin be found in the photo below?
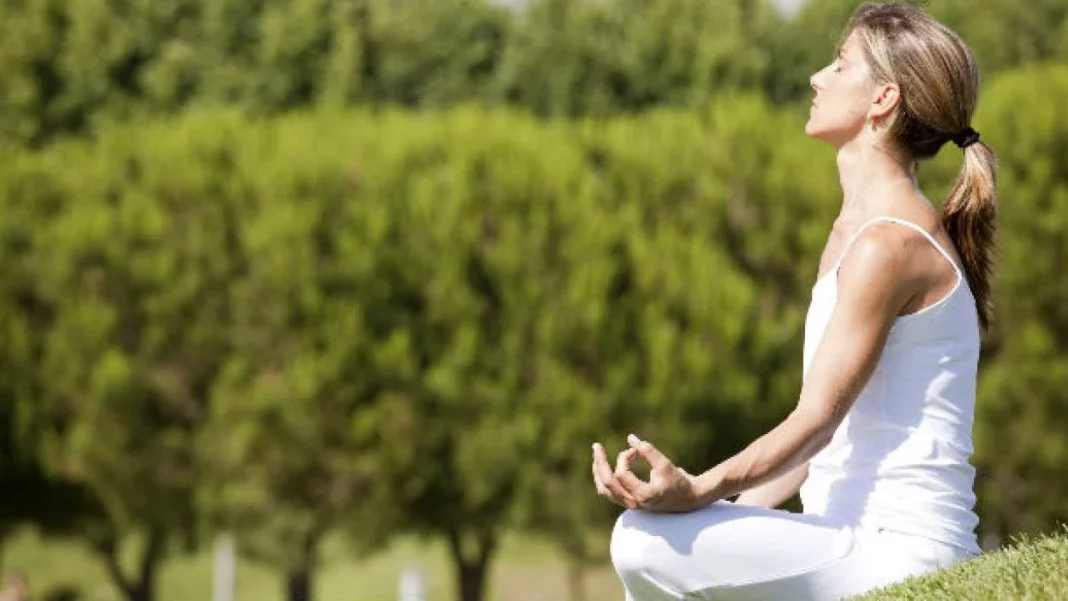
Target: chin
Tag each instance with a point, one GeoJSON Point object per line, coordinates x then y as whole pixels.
{"type": "Point", "coordinates": [813, 131]}
{"type": "Point", "coordinates": [823, 134]}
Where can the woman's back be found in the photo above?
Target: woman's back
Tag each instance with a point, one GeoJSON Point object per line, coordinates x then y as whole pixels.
{"type": "Point", "coordinates": [899, 459]}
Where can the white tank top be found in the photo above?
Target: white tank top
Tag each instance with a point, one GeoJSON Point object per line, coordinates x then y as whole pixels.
{"type": "Point", "coordinates": [900, 458]}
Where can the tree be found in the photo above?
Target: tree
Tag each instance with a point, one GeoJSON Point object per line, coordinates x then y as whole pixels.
{"type": "Point", "coordinates": [74, 66]}
{"type": "Point", "coordinates": [17, 462]}
{"type": "Point", "coordinates": [286, 451]}
{"type": "Point", "coordinates": [1005, 34]}
{"type": "Point", "coordinates": [568, 58]}
{"type": "Point", "coordinates": [131, 264]}
{"type": "Point", "coordinates": [1021, 391]}
{"type": "Point", "coordinates": [33, 495]}
{"type": "Point", "coordinates": [484, 233]}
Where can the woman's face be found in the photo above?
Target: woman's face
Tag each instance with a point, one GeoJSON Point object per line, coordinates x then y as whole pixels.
{"type": "Point", "coordinates": [844, 94]}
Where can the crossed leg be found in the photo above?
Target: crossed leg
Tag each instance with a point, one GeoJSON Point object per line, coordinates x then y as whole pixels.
{"type": "Point", "coordinates": [738, 552]}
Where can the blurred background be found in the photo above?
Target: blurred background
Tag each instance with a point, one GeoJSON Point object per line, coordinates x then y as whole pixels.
{"type": "Point", "coordinates": [327, 299]}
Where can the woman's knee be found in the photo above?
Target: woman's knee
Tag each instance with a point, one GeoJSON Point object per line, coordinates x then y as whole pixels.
{"type": "Point", "coordinates": [672, 553]}
{"type": "Point", "coordinates": [641, 538]}
{"type": "Point", "coordinates": [646, 565]}
{"type": "Point", "coordinates": [636, 545]}
{"type": "Point", "coordinates": [628, 545]}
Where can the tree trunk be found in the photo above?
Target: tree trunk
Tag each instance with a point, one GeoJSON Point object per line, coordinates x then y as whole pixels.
{"type": "Point", "coordinates": [143, 586]}
{"type": "Point", "coordinates": [299, 576]}
{"type": "Point", "coordinates": [144, 591]}
{"type": "Point", "coordinates": [472, 581]}
{"type": "Point", "coordinates": [472, 567]}
{"type": "Point", "coordinates": [298, 585]}
{"type": "Point", "coordinates": [576, 571]}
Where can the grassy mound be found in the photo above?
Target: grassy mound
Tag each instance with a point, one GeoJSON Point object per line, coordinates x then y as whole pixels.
{"type": "Point", "coordinates": [1035, 569]}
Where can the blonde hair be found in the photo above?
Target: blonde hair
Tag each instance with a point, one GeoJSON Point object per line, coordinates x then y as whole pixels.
{"type": "Point", "coordinates": [938, 80]}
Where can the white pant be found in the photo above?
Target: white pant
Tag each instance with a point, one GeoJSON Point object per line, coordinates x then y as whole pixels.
{"type": "Point", "coordinates": [737, 552]}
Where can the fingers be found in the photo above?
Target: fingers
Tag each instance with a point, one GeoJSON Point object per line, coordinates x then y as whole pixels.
{"type": "Point", "coordinates": [651, 454]}
{"type": "Point", "coordinates": [598, 477]}
{"type": "Point", "coordinates": [606, 478]}
{"type": "Point", "coordinates": [623, 461]}
{"type": "Point", "coordinates": [634, 486]}
{"type": "Point", "coordinates": [638, 489]}
{"type": "Point", "coordinates": [601, 490]}
{"type": "Point", "coordinates": [602, 473]}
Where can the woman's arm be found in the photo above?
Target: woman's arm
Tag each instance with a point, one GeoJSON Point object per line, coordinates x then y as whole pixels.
{"type": "Point", "coordinates": [874, 284]}
{"type": "Point", "coordinates": [778, 491]}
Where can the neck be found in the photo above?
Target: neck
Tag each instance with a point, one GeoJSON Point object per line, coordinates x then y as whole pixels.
{"type": "Point", "coordinates": [872, 178]}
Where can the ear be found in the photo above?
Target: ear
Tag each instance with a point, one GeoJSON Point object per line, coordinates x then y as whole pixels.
{"type": "Point", "coordinates": [885, 99]}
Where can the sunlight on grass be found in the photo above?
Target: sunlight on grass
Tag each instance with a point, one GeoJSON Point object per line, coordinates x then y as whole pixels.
{"type": "Point", "coordinates": [1035, 569]}
{"type": "Point", "coordinates": [526, 570]}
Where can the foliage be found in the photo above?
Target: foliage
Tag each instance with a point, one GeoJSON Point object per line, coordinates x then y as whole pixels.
{"type": "Point", "coordinates": [381, 321]}
{"type": "Point", "coordinates": [128, 265]}
{"type": "Point", "coordinates": [72, 66]}
{"type": "Point", "coordinates": [1021, 396]}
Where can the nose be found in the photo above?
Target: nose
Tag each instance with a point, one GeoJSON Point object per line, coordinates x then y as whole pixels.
{"type": "Point", "coordinates": [814, 81]}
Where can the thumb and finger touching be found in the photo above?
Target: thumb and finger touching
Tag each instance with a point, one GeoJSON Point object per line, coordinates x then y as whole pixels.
{"type": "Point", "coordinates": [621, 484]}
{"type": "Point", "coordinates": [607, 479]}
{"type": "Point", "coordinates": [648, 452]}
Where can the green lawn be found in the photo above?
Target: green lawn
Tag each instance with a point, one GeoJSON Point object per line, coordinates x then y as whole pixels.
{"type": "Point", "coordinates": [1035, 570]}
{"type": "Point", "coordinates": [527, 570]}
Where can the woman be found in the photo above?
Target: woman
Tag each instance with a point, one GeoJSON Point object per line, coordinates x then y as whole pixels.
{"type": "Point", "coordinates": [880, 440]}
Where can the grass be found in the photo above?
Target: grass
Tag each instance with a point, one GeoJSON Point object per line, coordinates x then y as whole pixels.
{"type": "Point", "coordinates": [1034, 569]}
{"type": "Point", "coordinates": [525, 570]}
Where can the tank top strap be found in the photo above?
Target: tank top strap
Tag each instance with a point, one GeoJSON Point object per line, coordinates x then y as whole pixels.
{"type": "Point", "coordinates": [852, 239]}
{"type": "Point", "coordinates": [941, 250]}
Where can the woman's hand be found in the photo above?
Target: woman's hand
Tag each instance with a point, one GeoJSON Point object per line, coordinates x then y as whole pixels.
{"type": "Point", "coordinates": [669, 489]}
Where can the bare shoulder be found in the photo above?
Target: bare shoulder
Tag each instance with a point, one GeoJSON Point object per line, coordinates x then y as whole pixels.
{"type": "Point", "coordinates": [884, 259]}
{"type": "Point", "coordinates": [883, 246]}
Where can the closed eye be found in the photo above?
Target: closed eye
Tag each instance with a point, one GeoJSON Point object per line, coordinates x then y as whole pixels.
{"type": "Point", "coordinates": [839, 60]}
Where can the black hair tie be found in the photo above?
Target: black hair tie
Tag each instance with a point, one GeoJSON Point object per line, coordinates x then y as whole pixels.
{"type": "Point", "coordinates": [966, 138]}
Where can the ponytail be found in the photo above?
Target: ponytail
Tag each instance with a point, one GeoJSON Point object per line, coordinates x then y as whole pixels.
{"type": "Point", "coordinates": [938, 79]}
{"type": "Point", "coordinates": [970, 218]}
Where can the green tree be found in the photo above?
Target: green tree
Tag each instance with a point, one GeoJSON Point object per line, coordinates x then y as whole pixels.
{"type": "Point", "coordinates": [434, 53]}
{"type": "Point", "coordinates": [16, 359]}
{"type": "Point", "coordinates": [286, 451]}
{"type": "Point", "coordinates": [1021, 393]}
{"type": "Point", "coordinates": [33, 495]}
{"type": "Point", "coordinates": [72, 66]}
{"type": "Point", "coordinates": [1005, 35]}
{"type": "Point", "coordinates": [487, 233]}
{"type": "Point", "coordinates": [130, 262]}
{"type": "Point", "coordinates": [586, 57]}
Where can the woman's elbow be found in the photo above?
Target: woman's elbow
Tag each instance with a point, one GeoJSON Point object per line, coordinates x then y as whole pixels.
{"type": "Point", "coordinates": [818, 426]}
